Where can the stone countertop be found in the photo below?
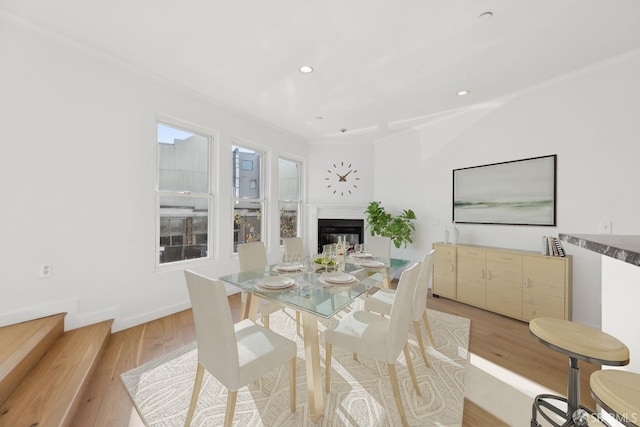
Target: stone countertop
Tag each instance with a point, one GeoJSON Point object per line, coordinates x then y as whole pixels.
{"type": "Point", "coordinates": [623, 248]}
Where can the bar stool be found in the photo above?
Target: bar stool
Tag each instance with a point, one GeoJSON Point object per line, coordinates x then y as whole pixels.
{"type": "Point", "coordinates": [579, 342]}
{"type": "Point", "coordinates": [618, 393]}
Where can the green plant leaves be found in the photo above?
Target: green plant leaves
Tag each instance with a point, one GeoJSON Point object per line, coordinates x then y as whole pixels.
{"type": "Point", "coordinates": [398, 228]}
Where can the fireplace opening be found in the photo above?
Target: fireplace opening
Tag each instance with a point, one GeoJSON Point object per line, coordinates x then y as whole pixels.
{"type": "Point", "coordinates": [330, 229]}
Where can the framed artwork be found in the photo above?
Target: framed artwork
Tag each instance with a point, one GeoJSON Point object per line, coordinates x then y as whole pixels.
{"type": "Point", "coordinates": [518, 192]}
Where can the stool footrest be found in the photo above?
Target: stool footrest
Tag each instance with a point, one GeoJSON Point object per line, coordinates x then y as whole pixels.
{"type": "Point", "coordinates": [543, 404]}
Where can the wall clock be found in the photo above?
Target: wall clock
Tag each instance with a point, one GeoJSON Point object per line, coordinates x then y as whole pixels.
{"type": "Point", "coordinates": [342, 178]}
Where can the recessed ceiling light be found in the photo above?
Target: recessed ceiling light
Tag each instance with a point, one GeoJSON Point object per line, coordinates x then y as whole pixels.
{"type": "Point", "coordinates": [463, 93]}
{"type": "Point", "coordinates": [485, 16]}
{"type": "Point", "coordinates": [306, 69]}
{"type": "Point", "coordinates": [319, 117]}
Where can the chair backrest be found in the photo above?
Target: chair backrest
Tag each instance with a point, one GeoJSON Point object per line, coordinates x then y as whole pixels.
{"type": "Point", "coordinates": [379, 246]}
{"type": "Point", "coordinates": [252, 256]}
{"type": "Point", "coordinates": [422, 287]}
{"type": "Point", "coordinates": [400, 317]}
{"type": "Point", "coordinates": [293, 247]}
{"type": "Point", "coordinates": [215, 334]}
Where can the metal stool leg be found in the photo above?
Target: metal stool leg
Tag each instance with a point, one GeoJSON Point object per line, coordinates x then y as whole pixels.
{"type": "Point", "coordinates": [575, 415]}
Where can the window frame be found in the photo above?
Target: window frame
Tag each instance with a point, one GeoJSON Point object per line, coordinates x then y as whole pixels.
{"type": "Point", "coordinates": [262, 188]}
{"type": "Point", "coordinates": [212, 138]}
{"type": "Point", "coordinates": [299, 201]}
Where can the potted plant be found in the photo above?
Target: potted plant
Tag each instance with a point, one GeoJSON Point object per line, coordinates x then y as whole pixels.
{"type": "Point", "coordinates": [398, 228]}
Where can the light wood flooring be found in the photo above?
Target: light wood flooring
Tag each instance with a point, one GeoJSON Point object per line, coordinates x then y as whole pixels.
{"type": "Point", "coordinates": [501, 340]}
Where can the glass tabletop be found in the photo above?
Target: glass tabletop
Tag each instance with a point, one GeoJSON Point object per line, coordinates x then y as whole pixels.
{"type": "Point", "coordinates": [312, 292]}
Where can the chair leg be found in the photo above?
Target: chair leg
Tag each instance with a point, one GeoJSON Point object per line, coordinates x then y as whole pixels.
{"type": "Point", "coordinates": [414, 380]}
{"type": "Point", "coordinates": [355, 356]}
{"type": "Point", "coordinates": [243, 305]}
{"type": "Point", "coordinates": [396, 392]}
{"type": "Point", "coordinates": [194, 395]}
{"type": "Point", "coordinates": [416, 326]}
{"type": "Point", "coordinates": [298, 323]}
{"type": "Point", "coordinates": [231, 408]}
{"type": "Point", "coordinates": [292, 384]}
{"type": "Point", "coordinates": [265, 320]}
{"type": "Point", "coordinates": [425, 319]}
{"type": "Point", "coordinates": [327, 364]}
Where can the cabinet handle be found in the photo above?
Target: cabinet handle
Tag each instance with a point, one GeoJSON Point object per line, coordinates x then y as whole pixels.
{"type": "Point", "coordinates": [482, 274]}
{"type": "Point", "coordinates": [451, 266]}
{"type": "Point", "coordinates": [526, 283]}
{"type": "Point", "coordinates": [489, 275]}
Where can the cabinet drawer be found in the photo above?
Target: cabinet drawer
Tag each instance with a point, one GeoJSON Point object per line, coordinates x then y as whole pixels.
{"type": "Point", "coordinates": [544, 270]}
{"type": "Point", "coordinates": [445, 251]}
{"type": "Point", "coordinates": [504, 257]}
{"type": "Point", "coordinates": [472, 255]}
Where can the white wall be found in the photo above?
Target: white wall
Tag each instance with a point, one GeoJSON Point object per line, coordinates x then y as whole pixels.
{"type": "Point", "coordinates": [323, 156]}
{"type": "Point", "coordinates": [589, 119]}
{"type": "Point", "coordinates": [78, 171]}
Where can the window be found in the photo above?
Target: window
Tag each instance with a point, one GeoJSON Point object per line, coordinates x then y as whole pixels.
{"type": "Point", "coordinates": [248, 203]}
{"type": "Point", "coordinates": [184, 197]}
{"type": "Point", "coordinates": [290, 203]}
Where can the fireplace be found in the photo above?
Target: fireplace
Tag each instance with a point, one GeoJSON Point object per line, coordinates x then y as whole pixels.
{"type": "Point", "coordinates": [330, 229]}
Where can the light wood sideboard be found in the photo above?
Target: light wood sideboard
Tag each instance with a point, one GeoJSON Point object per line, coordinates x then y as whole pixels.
{"type": "Point", "coordinates": [519, 284]}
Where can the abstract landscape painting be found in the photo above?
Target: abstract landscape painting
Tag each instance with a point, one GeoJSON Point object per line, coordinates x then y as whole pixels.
{"type": "Point", "coordinates": [519, 192]}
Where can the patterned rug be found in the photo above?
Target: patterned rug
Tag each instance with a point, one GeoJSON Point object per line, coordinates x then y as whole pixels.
{"type": "Point", "coordinates": [361, 394]}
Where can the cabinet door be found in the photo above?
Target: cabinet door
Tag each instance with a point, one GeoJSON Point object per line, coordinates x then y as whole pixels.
{"type": "Point", "coordinates": [504, 283]}
{"type": "Point", "coordinates": [472, 275]}
{"type": "Point", "coordinates": [545, 287]}
{"type": "Point", "coordinates": [444, 271]}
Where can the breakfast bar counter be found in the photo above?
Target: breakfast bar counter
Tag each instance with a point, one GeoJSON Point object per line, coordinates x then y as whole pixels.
{"type": "Point", "coordinates": [620, 286]}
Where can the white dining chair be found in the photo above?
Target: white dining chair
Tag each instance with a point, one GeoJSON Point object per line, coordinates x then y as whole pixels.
{"type": "Point", "coordinates": [378, 246]}
{"type": "Point", "coordinates": [293, 247]}
{"type": "Point", "coordinates": [253, 256]}
{"type": "Point", "coordinates": [379, 337]}
{"type": "Point", "coordinates": [382, 302]}
{"type": "Point", "coordinates": [234, 354]}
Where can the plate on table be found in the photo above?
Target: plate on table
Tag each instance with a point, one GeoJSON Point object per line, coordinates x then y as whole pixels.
{"type": "Point", "coordinates": [361, 255]}
{"type": "Point", "coordinates": [338, 277]}
{"type": "Point", "coordinates": [288, 268]}
{"type": "Point", "coordinates": [371, 263]}
{"type": "Point", "coordinates": [275, 282]}
{"type": "Point", "coordinates": [318, 263]}
{"type": "Point", "coordinates": [288, 288]}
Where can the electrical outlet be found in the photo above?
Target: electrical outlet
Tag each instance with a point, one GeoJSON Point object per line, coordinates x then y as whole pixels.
{"type": "Point", "coordinates": [46, 270]}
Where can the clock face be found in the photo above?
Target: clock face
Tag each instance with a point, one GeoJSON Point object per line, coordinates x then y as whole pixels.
{"type": "Point", "coordinates": [342, 179]}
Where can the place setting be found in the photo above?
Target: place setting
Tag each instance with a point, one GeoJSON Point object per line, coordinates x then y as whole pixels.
{"type": "Point", "coordinates": [337, 278]}
{"type": "Point", "coordinates": [289, 267]}
{"type": "Point", "coordinates": [276, 284]}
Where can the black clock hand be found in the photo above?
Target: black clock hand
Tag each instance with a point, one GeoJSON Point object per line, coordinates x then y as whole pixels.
{"type": "Point", "coordinates": [341, 177]}
{"type": "Point", "coordinates": [344, 177]}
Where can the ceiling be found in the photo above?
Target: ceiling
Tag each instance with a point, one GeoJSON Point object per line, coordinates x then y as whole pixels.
{"type": "Point", "coordinates": [380, 66]}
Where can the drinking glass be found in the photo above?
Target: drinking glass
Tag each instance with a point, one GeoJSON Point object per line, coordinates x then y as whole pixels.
{"type": "Point", "coordinates": [326, 256]}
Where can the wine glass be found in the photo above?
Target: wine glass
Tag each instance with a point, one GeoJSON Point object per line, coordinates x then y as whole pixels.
{"type": "Point", "coordinates": [326, 256]}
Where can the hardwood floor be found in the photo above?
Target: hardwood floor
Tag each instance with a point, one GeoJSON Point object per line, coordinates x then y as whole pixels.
{"type": "Point", "coordinates": [501, 340]}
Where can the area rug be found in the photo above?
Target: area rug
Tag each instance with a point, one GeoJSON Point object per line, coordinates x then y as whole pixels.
{"type": "Point", "coordinates": [361, 393]}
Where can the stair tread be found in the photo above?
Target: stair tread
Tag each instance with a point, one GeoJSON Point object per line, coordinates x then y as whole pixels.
{"type": "Point", "coordinates": [21, 347]}
{"type": "Point", "coordinates": [50, 393]}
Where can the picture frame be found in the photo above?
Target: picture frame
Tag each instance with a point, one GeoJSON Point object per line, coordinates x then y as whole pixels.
{"type": "Point", "coordinates": [516, 192]}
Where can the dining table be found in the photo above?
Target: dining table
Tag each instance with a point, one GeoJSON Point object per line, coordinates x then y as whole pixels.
{"type": "Point", "coordinates": [317, 292]}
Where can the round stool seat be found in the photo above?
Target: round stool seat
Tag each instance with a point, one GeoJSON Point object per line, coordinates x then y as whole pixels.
{"type": "Point", "coordinates": [580, 341]}
{"type": "Point", "coordinates": [617, 392]}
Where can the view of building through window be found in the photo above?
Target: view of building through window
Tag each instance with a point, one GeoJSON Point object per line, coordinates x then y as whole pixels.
{"type": "Point", "coordinates": [290, 200]}
{"type": "Point", "coordinates": [248, 196]}
{"type": "Point", "coordinates": [183, 195]}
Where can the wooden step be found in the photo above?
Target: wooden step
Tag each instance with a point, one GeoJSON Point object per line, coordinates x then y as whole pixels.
{"type": "Point", "coordinates": [22, 345]}
{"type": "Point", "coordinates": [49, 395]}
